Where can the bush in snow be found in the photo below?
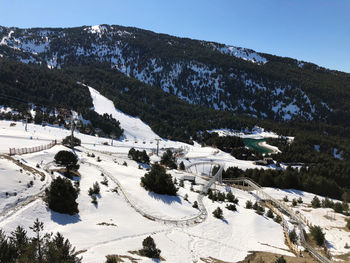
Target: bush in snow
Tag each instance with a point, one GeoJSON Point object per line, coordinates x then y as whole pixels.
{"type": "Point", "coordinates": [169, 159]}
{"type": "Point", "coordinates": [315, 202]}
{"type": "Point", "coordinates": [67, 159]}
{"type": "Point", "coordinates": [182, 166]}
{"type": "Point", "coordinates": [348, 224]}
{"type": "Point", "coordinates": [182, 184]}
{"type": "Point", "coordinates": [278, 219]}
{"type": "Point", "coordinates": [293, 236]}
{"type": "Point", "coordinates": [158, 181]}
{"type": "Point", "coordinates": [270, 214]}
{"type": "Point", "coordinates": [186, 197]}
{"type": "Point", "coordinates": [231, 198]}
{"type": "Point", "coordinates": [249, 204]}
{"type": "Point", "coordinates": [294, 202]}
{"type": "Point", "coordinates": [338, 207]}
{"type": "Point", "coordinates": [112, 259]}
{"type": "Point", "coordinates": [94, 199]}
{"type": "Point", "coordinates": [105, 181]}
{"type": "Point", "coordinates": [285, 199]}
{"type": "Point", "coordinates": [195, 204]}
{"type": "Point", "coordinates": [218, 213]}
{"type": "Point", "coordinates": [138, 156]}
{"type": "Point", "coordinates": [68, 142]}
{"type": "Point", "coordinates": [95, 190]}
{"type": "Point", "coordinates": [317, 235]}
{"type": "Point", "coordinates": [231, 207]}
{"type": "Point", "coordinates": [149, 248]}
{"type": "Point", "coordinates": [61, 196]}
{"type": "Point", "coordinates": [300, 200]}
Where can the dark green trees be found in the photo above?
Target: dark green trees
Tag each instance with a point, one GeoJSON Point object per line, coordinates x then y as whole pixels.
{"type": "Point", "coordinates": [149, 248]}
{"type": "Point", "coordinates": [316, 202]}
{"type": "Point", "coordinates": [68, 142]}
{"type": "Point", "coordinates": [61, 196]}
{"type": "Point", "coordinates": [182, 166]}
{"type": "Point", "coordinates": [139, 156]}
{"type": "Point", "coordinates": [158, 181]}
{"type": "Point", "coordinates": [67, 159]}
{"type": "Point", "coordinates": [317, 235]}
{"type": "Point", "coordinates": [169, 159]}
{"type": "Point", "coordinates": [41, 248]}
{"type": "Point", "coordinates": [218, 213]}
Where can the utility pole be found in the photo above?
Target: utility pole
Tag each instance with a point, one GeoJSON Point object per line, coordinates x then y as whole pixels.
{"type": "Point", "coordinates": [158, 140]}
{"type": "Point", "coordinates": [26, 127]}
{"type": "Point", "coordinates": [72, 131]}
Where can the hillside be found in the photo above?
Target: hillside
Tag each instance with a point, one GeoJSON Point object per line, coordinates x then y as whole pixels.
{"type": "Point", "coordinates": [203, 73]}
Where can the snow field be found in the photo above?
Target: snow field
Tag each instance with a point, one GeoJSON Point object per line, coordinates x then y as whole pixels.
{"type": "Point", "coordinates": [17, 184]}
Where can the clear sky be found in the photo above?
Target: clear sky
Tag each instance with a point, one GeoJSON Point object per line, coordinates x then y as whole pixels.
{"type": "Point", "coordinates": [316, 31]}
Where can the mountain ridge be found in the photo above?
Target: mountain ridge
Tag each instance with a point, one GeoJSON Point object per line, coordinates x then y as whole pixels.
{"type": "Point", "coordinates": [203, 73]}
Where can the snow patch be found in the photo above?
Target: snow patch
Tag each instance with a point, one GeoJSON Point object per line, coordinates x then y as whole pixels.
{"type": "Point", "coordinates": [134, 128]}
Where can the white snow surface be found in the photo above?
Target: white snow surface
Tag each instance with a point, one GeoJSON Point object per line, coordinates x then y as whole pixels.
{"type": "Point", "coordinates": [134, 128]}
{"type": "Point", "coordinates": [216, 238]}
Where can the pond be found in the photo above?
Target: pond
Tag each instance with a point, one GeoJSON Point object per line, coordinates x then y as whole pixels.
{"type": "Point", "coordinates": [253, 144]}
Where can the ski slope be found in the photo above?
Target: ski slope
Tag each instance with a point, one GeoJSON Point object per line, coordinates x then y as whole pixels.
{"type": "Point", "coordinates": [134, 128]}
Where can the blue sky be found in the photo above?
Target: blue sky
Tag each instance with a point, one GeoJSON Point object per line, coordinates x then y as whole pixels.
{"type": "Point", "coordinates": [309, 30]}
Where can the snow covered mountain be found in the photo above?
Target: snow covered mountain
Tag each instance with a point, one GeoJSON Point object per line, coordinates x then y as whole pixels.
{"type": "Point", "coordinates": [205, 73]}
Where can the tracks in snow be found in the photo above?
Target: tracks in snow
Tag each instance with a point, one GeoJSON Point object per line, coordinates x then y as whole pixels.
{"type": "Point", "coordinates": [23, 202]}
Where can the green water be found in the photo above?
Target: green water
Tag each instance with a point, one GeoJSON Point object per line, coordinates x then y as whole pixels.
{"type": "Point", "coordinates": [253, 144]}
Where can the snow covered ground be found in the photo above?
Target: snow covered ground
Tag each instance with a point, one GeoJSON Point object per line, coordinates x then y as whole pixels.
{"type": "Point", "coordinates": [127, 228]}
{"type": "Point", "coordinates": [113, 226]}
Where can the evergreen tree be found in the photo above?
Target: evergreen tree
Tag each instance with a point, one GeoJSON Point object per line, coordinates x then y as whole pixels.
{"type": "Point", "coordinates": [317, 234]}
{"type": "Point", "coordinates": [293, 236]}
{"type": "Point", "coordinates": [316, 202]}
{"type": "Point", "coordinates": [67, 141]}
{"type": "Point", "coordinates": [158, 181]}
{"type": "Point", "coordinates": [149, 248]}
{"type": "Point", "coordinates": [7, 251]}
{"type": "Point", "coordinates": [249, 204]}
{"type": "Point", "coordinates": [60, 250]}
{"type": "Point", "coordinates": [169, 159]}
{"type": "Point", "coordinates": [218, 213]}
{"type": "Point", "coordinates": [280, 260]}
{"type": "Point", "coordinates": [67, 159]}
{"type": "Point", "coordinates": [61, 196]}
{"type": "Point", "coordinates": [38, 240]}
{"type": "Point", "coordinates": [270, 214]}
{"type": "Point", "coordinates": [19, 240]}
{"type": "Point", "coordinates": [182, 166]}
{"type": "Point", "coordinates": [231, 207]}
{"type": "Point", "coordinates": [278, 219]}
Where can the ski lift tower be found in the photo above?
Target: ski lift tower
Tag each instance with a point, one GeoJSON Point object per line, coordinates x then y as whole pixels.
{"type": "Point", "coordinates": [158, 140]}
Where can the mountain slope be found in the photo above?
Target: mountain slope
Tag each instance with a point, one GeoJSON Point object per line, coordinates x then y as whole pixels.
{"type": "Point", "coordinates": [134, 128]}
{"type": "Point", "coordinates": [203, 73]}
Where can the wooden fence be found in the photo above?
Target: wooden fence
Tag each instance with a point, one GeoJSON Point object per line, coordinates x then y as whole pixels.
{"type": "Point", "coordinates": [290, 244]}
{"type": "Point", "coordinates": [14, 151]}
